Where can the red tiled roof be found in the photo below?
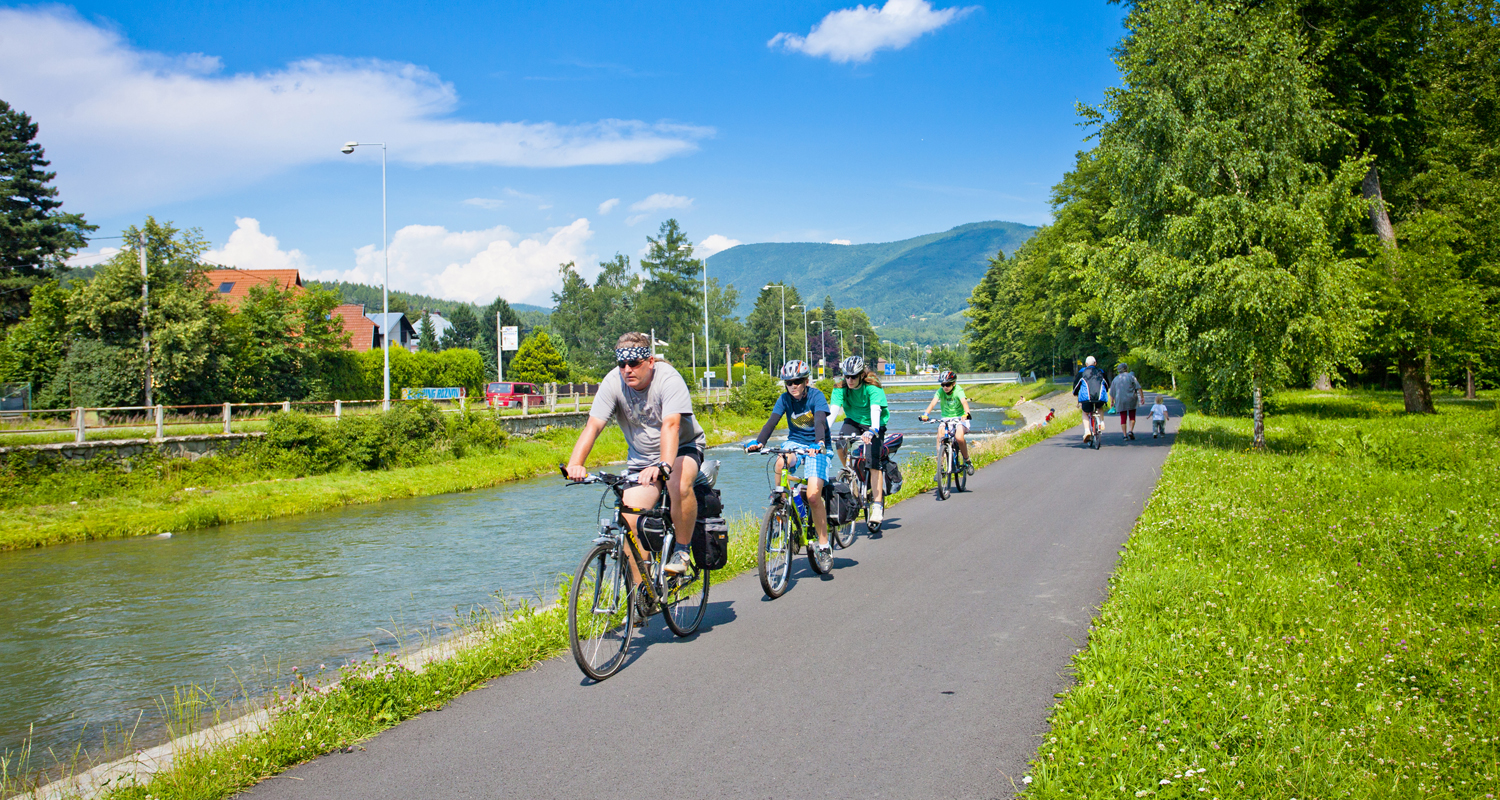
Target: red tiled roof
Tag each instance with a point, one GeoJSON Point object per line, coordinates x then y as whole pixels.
{"type": "Point", "coordinates": [233, 285]}
{"type": "Point", "coordinates": [362, 329]}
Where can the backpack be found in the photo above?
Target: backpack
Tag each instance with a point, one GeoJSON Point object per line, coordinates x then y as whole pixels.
{"type": "Point", "coordinates": [711, 543]}
{"type": "Point", "coordinates": [710, 502]}
{"type": "Point", "coordinates": [1087, 393]}
{"type": "Point", "coordinates": [843, 506]}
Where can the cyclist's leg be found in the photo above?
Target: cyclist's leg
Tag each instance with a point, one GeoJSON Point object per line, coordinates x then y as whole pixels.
{"type": "Point", "coordinates": [680, 488]}
{"type": "Point", "coordinates": [849, 428]}
{"type": "Point", "coordinates": [876, 451]}
{"type": "Point", "coordinates": [963, 444]}
{"type": "Point", "coordinates": [638, 496]}
{"type": "Point", "coordinates": [815, 471]}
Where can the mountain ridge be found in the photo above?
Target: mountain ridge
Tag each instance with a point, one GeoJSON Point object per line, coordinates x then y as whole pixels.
{"type": "Point", "coordinates": [929, 274]}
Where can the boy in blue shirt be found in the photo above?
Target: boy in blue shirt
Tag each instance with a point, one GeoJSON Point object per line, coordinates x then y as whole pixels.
{"type": "Point", "coordinates": [806, 412]}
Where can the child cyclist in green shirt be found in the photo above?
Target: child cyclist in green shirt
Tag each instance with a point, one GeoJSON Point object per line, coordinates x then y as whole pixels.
{"type": "Point", "coordinates": [860, 397]}
{"type": "Point", "coordinates": [955, 411]}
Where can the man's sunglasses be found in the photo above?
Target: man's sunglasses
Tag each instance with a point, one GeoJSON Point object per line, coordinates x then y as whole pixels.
{"type": "Point", "coordinates": [632, 362]}
{"type": "Point", "coordinates": [798, 382]}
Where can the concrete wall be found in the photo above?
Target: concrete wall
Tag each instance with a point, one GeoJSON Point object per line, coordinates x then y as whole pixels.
{"type": "Point", "coordinates": [193, 447]}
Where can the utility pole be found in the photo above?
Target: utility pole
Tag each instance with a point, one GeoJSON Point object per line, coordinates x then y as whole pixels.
{"type": "Point", "coordinates": [145, 312]}
{"type": "Point", "coordinates": [499, 351]}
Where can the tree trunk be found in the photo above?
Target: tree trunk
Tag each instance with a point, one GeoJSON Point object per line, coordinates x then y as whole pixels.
{"type": "Point", "coordinates": [1416, 389]}
{"type": "Point", "coordinates": [1469, 384]}
{"type": "Point", "coordinates": [1323, 383]}
{"type": "Point", "coordinates": [1260, 416]}
{"type": "Point", "coordinates": [1380, 219]}
{"type": "Point", "coordinates": [1416, 393]}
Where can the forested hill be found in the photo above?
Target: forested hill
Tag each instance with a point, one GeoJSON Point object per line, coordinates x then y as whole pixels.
{"type": "Point", "coordinates": [931, 274]}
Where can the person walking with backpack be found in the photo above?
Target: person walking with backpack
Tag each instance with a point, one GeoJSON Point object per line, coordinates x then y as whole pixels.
{"type": "Point", "coordinates": [1126, 391]}
{"type": "Point", "coordinates": [1091, 387]}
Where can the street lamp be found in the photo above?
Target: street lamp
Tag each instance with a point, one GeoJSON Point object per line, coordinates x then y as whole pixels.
{"type": "Point", "coordinates": [385, 286]}
{"type": "Point", "coordinates": [782, 287]}
{"type": "Point", "coordinates": [861, 338]}
{"type": "Point", "coordinates": [805, 354]}
{"type": "Point", "coordinates": [823, 347]}
{"type": "Point", "coordinates": [705, 326]}
{"type": "Point", "coordinates": [842, 352]}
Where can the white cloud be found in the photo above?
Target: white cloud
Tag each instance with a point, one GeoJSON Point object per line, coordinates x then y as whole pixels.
{"type": "Point", "coordinates": [126, 128]}
{"type": "Point", "coordinates": [475, 266]}
{"type": "Point", "coordinates": [608, 205]}
{"type": "Point", "coordinates": [85, 258]}
{"type": "Point", "coordinates": [249, 248]}
{"type": "Point", "coordinates": [840, 241]}
{"type": "Point", "coordinates": [490, 203]}
{"type": "Point", "coordinates": [715, 244]}
{"type": "Point", "coordinates": [854, 34]}
{"type": "Point", "coordinates": [657, 202]}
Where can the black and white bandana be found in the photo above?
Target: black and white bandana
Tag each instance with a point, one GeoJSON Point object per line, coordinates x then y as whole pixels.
{"type": "Point", "coordinates": [632, 353]}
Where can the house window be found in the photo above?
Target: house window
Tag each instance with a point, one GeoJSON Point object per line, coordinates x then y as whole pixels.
{"type": "Point", "coordinates": [226, 288]}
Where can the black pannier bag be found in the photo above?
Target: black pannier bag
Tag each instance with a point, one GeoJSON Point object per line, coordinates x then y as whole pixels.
{"type": "Point", "coordinates": [711, 543]}
{"type": "Point", "coordinates": [892, 477]}
{"type": "Point", "coordinates": [710, 502]}
{"type": "Point", "coordinates": [843, 506]}
{"type": "Point", "coordinates": [651, 530]}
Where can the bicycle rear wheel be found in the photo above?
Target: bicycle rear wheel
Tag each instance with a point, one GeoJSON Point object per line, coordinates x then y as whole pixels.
{"type": "Point", "coordinates": [1098, 431]}
{"type": "Point", "coordinates": [773, 558]}
{"type": "Point", "coordinates": [599, 626]}
{"type": "Point", "coordinates": [685, 600]}
{"type": "Point", "coordinates": [942, 471]}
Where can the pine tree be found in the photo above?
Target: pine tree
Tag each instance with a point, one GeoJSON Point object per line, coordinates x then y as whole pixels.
{"type": "Point", "coordinates": [427, 334]}
{"type": "Point", "coordinates": [36, 238]}
{"type": "Point", "coordinates": [671, 300]}
{"type": "Point", "coordinates": [538, 361]}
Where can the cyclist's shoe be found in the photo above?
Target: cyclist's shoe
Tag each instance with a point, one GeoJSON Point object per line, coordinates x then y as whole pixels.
{"type": "Point", "coordinates": [679, 564]}
{"type": "Point", "coordinates": [1087, 435]}
{"type": "Point", "coordinates": [969, 467]}
{"type": "Point", "coordinates": [825, 550]}
{"type": "Point", "coordinates": [877, 514]}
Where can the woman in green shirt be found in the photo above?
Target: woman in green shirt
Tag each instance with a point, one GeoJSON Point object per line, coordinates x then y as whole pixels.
{"type": "Point", "coordinates": [860, 398]}
{"type": "Point", "coordinates": [955, 411]}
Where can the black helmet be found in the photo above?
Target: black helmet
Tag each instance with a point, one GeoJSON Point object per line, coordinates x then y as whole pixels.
{"type": "Point", "coordinates": [853, 365]}
{"type": "Point", "coordinates": [795, 369]}
{"type": "Point", "coordinates": [948, 376]}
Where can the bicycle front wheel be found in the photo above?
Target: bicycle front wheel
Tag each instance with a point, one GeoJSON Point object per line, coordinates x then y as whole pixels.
{"type": "Point", "coordinates": [960, 475]}
{"type": "Point", "coordinates": [599, 626]}
{"type": "Point", "coordinates": [942, 471]}
{"type": "Point", "coordinates": [686, 599]}
{"type": "Point", "coordinates": [1098, 431]}
{"type": "Point", "coordinates": [774, 556]}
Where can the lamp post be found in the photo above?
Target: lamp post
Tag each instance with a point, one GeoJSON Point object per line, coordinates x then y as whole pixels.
{"type": "Point", "coordinates": [385, 286]}
{"type": "Point", "coordinates": [823, 347]}
{"type": "Point", "coordinates": [805, 354]}
{"type": "Point", "coordinates": [861, 338]}
{"type": "Point", "coordinates": [706, 359]}
{"type": "Point", "coordinates": [782, 287]}
{"type": "Point", "coordinates": [842, 353]}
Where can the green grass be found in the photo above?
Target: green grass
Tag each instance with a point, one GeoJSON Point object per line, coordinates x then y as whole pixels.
{"type": "Point", "coordinates": [178, 495]}
{"type": "Point", "coordinates": [310, 717]}
{"type": "Point", "coordinates": [1316, 621]}
{"type": "Point", "coordinates": [1008, 394]}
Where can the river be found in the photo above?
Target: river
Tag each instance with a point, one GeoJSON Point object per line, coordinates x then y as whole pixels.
{"type": "Point", "coordinates": [96, 634]}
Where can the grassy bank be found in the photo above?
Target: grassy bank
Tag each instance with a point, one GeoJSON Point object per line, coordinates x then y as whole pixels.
{"type": "Point", "coordinates": [1008, 394]}
{"type": "Point", "coordinates": [310, 719]}
{"type": "Point", "coordinates": [1317, 621]}
{"type": "Point", "coordinates": [180, 495]}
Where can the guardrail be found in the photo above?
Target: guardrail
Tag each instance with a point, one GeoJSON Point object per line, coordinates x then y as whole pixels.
{"type": "Point", "coordinates": [967, 378]}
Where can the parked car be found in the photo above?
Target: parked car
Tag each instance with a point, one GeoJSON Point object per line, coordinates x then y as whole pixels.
{"type": "Point", "coordinates": [505, 394]}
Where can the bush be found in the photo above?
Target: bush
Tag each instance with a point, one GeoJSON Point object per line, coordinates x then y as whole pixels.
{"type": "Point", "coordinates": [472, 431]}
{"type": "Point", "coordinates": [755, 396]}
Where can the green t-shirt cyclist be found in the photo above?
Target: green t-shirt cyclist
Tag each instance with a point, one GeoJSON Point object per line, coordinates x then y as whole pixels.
{"type": "Point", "coordinates": [856, 397]}
{"type": "Point", "coordinates": [954, 411]}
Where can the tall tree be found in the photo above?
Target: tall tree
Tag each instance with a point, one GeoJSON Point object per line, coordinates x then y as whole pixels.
{"type": "Point", "coordinates": [464, 329]}
{"type": "Point", "coordinates": [589, 319]}
{"type": "Point", "coordinates": [36, 236]}
{"type": "Point", "coordinates": [34, 349]}
{"type": "Point", "coordinates": [427, 338]}
{"type": "Point", "coordinates": [538, 361]}
{"type": "Point", "coordinates": [671, 295]}
{"type": "Point", "coordinates": [486, 341]}
{"type": "Point", "coordinates": [185, 324]}
{"type": "Point", "coordinates": [768, 324]}
{"type": "Point", "coordinates": [1227, 231]}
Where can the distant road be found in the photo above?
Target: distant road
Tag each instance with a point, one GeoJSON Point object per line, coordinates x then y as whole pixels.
{"type": "Point", "coordinates": [923, 667]}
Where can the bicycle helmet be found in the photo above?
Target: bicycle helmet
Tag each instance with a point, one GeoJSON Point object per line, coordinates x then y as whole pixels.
{"type": "Point", "coordinates": [853, 365]}
{"type": "Point", "coordinates": [796, 369]}
{"type": "Point", "coordinates": [948, 376]}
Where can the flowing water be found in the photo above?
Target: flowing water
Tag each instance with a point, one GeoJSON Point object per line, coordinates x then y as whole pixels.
{"type": "Point", "coordinates": [95, 635]}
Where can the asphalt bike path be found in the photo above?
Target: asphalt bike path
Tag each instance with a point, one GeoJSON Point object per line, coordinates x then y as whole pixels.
{"type": "Point", "coordinates": [924, 666]}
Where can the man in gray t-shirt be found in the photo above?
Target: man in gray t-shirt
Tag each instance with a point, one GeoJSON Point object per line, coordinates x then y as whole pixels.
{"type": "Point", "coordinates": [650, 401]}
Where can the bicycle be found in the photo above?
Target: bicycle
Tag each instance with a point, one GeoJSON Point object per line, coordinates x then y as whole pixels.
{"type": "Point", "coordinates": [859, 465]}
{"type": "Point", "coordinates": [952, 476]}
{"type": "Point", "coordinates": [1098, 439]}
{"type": "Point", "coordinates": [784, 532]}
{"type": "Point", "coordinates": [603, 607]}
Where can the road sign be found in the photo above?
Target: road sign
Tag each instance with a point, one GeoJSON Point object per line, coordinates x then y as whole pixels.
{"type": "Point", "coordinates": [429, 393]}
{"type": "Point", "coordinates": [890, 369]}
{"type": "Point", "coordinates": [509, 338]}
{"type": "Point", "coordinates": [710, 374]}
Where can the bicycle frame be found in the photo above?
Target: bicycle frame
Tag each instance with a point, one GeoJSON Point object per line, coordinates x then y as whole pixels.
{"type": "Point", "coordinates": [625, 538]}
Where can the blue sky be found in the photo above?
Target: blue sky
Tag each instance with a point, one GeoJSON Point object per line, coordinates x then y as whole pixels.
{"type": "Point", "coordinates": [511, 127]}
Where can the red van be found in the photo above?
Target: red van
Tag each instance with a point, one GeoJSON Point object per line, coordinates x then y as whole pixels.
{"type": "Point", "coordinates": [505, 394]}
